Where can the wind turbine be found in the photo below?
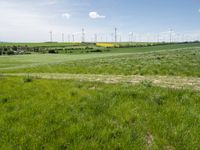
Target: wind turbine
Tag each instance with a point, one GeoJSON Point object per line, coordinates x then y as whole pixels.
{"type": "Point", "coordinates": [63, 37]}
{"type": "Point", "coordinates": [51, 36]}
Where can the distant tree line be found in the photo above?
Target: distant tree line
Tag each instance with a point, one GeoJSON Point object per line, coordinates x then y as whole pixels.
{"type": "Point", "coordinates": [13, 50]}
{"type": "Point", "coordinates": [20, 50]}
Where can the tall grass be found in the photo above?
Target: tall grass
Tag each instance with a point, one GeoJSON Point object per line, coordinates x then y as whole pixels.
{"type": "Point", "coordinates": [184, 62]}
{"type": "Point", "coordinates": [54, 114]}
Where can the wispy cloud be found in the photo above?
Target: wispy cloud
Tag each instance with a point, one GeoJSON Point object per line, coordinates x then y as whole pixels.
{"type": "Point", "coordinates": [95, 15]}
{"type": "Point", "coordinates": [66, 15]}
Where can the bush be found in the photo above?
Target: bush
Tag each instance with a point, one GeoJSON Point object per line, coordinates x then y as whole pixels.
{"type": "Point", "coordinates": [14, 48]}
{"type": "Point", "coordinates": [52, 51]}
{"type": "Point", "coordinates": [27, 79]}
{"type": "Point", "coordinates": [35, 49]}
{"type": "Point", "coordinates": [1, 51]}
{"type": "Point", "coordinates": [5, 49]}
{"type": "Point", "coordinates": [96, 50]}
{"type": "Point", "coordinates": [10, 52]}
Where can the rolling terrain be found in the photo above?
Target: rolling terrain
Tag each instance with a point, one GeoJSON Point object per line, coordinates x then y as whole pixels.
{"type": "Point", "coordinates": [141, 97]}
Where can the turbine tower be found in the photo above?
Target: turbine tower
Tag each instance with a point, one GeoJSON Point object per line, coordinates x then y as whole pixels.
{"type": "Point", "coordinates": [63, 37]}
{"type": "Point", "coordinates": [73, 37]}
{"type": "Point", "coordinates": [115, 35]}
{"type": "Point", "coordinates": [95, 38]}
{"type": "Point", "coordinates": [69, 38]}
{"type": "Point", "coordinates": [170, 35]}
{"type": "Point", "coordinates": [112, 37]}
{"type": "Point", "coordinates": [51, 36]}
{"type": "Point", "coordinates": [130, 36]}
{"type": "Point", "coordinates": [158, 38]}
{"type": "Point", "coordinates": [83, 35]}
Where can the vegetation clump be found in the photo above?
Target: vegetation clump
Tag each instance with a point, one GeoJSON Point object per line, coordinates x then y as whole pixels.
{"type": "Point", "coordinates": [146, 83]}
{"type": "Point", "coordinates": [52, 51]}
{"type": "Point", "coordinates": [28, 79]}
{"type": "Point", "coordinates": [3, 100]}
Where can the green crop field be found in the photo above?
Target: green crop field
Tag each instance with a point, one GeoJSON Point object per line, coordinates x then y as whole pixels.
{"type": "Point", "coordinates": [158, 60]}
{"type": "Point", "coordinates": [124, 98]}
{"type": "Point", "coordinates": [27, 61]}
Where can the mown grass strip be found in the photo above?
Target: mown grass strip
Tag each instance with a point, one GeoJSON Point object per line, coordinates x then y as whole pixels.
{"type": "Point", "coordinates": [162, 81]}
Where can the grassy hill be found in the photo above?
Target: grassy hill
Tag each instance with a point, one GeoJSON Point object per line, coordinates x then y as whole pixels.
{"type": "Point", "coordinates": [141, 98]}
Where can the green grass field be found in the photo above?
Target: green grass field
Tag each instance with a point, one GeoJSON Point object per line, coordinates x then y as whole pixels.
{"type": "Point", "coordinates": [177, 61]}
{"type": "Point", "coordinates": [27, 61]}
{"type": "Point", "coordinates": [72, 115]}
{"type": "Point", "coordinates": [127, 98]}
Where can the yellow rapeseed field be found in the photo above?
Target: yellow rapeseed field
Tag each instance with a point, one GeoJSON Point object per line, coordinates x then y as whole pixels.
{"type": "Point", "coordinates": [105, 44]}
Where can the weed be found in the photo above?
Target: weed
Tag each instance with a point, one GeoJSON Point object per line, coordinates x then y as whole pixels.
{"type": "Point", "coordinates": [146, 83]}
{"type": "Point", "coordinates": [73, 93]}
{"type": "Point", "coordinates": [27, 79]}
{"type": "Point", "coordinates": [158, 99]}
{"type": "Point", "coordinates": [4, 100]}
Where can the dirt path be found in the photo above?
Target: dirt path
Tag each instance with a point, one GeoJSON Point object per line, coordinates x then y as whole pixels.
{"type": "Point", "coordinates": [163, 81]}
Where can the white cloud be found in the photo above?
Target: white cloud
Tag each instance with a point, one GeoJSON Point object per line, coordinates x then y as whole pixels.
{"type": "Point", "coordinates": [199, 10]}
{"type": "Point", "coordinates": [66, 15]}
{"type": "Point", "coordinates": [95, 15]}
{"type": "Point", "coordinates": [22, 22]}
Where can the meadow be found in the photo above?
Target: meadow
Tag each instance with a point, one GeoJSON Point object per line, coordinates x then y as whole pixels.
{"type": "Point", "coordinates": [56, 114]}
{"type": "Point", "coordinates": [158, 60]}
{"type": "Point", "coordinates": [126, 98]}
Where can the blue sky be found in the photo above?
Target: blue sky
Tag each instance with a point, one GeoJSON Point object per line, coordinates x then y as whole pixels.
{"type": "Point", "coordinates": [32, 20]}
